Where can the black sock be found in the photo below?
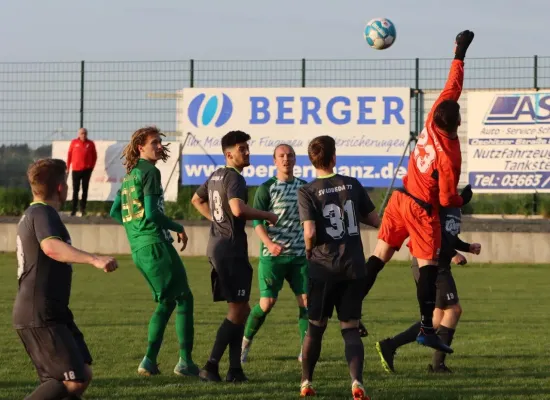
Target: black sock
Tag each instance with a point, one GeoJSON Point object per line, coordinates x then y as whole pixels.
{"type": "Point", "coordinates": [374, 266]}
{"type": "Point", "coordinates": [235, 347]}
{"type": "Point", "coordinates": [223, 338]}
{"type": "Point", "coordinates": [406, 337]}
{"type": "Point", "coordinates": [355, 353]}
{"type": "Point", "coordinates": [311, 350]}
{"type": "Point", "coordinates": [426, 292]}
{"type": "Point", "coordinates": [50, 390]}
{"type": "Point", "coordinates": [446, 335]}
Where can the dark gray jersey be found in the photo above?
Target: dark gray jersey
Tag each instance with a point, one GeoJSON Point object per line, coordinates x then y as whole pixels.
{"type": "Point", "coordinates": [44, 283]}
{"type": "Point", "coordinates": [336, 204]}
{"type": "Point", "coordinates": [227, 232]}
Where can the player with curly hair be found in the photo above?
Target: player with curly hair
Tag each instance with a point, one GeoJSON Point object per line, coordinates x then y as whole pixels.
{"type": "Point", "coordinates": [139, 207]}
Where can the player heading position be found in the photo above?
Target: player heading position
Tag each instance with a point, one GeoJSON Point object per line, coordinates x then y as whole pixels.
{"type": "Point", "coordinates": [331, 208]}
{"type": "Point", "coordinates": [139, 207]}
{"type": "Point", "coordinates": [447, 307]}
{"type": "Point", "coordinates": [432, 179]}
{"type": "Point", "coordinates": [282, 251]}
{"type": "Point", "coordinates": [41, 313]}
{"type": "Point", "coordinates": [222, 199]}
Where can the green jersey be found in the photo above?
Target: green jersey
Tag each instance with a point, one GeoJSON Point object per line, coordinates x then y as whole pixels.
{"type": "Point", "coordinates": [281, 198]}
{"type": "Point", "coordinates": [143, 180]}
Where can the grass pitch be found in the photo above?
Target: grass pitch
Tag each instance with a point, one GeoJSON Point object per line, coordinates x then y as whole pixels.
{"type": "Point", "coordinates": [501, 345]}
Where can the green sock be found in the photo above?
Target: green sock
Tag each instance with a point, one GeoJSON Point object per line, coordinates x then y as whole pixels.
{"type": "Point", "coordinates": [185, 327]}
{"type": "Point", "coordinates": [157, 325]}
{"type": "Point", "coordinates": [303, 323]}
{"type": "Point", "coordinates": [255, 321]}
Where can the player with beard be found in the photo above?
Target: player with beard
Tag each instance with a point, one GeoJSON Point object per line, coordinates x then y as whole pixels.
{"type": "Point", "coordinates": [222, 200]}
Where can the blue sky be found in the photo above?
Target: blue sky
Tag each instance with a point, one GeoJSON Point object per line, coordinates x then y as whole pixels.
{"type": "Point", "coordinates": [102, 30]}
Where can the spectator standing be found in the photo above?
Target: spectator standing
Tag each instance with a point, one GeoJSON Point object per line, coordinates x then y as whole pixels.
{"type": "Point", "coordinates": [82, 158]}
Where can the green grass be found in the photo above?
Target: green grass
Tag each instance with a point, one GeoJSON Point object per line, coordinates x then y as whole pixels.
{"type": "Point", "coordinates": [501, 346]}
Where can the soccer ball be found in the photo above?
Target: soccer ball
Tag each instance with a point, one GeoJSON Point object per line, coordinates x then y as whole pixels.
{"type": "Point", "coordinates": [380, 33]}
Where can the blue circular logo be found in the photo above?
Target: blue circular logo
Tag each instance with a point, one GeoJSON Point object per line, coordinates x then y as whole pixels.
{"type": "Point", "coordinates": [212, 110]}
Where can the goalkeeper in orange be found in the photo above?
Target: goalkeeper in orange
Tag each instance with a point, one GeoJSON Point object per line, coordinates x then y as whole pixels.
{"type": "Point", "coordinates": [431, 182]}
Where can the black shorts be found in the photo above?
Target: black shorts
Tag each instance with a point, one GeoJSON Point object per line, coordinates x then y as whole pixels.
{"type": "Point", "coordinates": [58, 352]}
{"type": "Point", "coordinates": [447, 295]}
{"type": "Point", "coordinates": [325, 295]}
{"type": "Point", "coordinates": [231, 278]}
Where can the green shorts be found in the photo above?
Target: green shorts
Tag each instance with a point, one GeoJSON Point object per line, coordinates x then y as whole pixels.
{"type": "Point", "coordinates": [162, 268]}
{"type": "Point", "coordinates": [272, 273]}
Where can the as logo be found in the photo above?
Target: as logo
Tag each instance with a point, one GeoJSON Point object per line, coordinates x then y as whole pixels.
{"type": "Point", "coordinates": [216, 109]}
{"type": "Point", "coordinates": [519, 109]}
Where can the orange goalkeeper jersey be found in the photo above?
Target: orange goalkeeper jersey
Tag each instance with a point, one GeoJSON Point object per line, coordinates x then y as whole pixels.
{"type": "Point", "coordinates": [434, 167]}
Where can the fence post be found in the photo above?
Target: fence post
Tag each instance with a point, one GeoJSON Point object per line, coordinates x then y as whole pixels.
{"type": "Point", "coordinates": [82, 94]}
{"type": "Point", "coordinates": [536, 72]}
{"type": "Point", "coordinates": [303, 72]}
{"type": "Point", "coordinates": [191, 73]}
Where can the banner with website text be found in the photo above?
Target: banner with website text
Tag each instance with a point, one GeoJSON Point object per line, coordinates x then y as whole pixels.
{"type": "Point", "coordinates": [509, 142]}
{"type": "Point", "coordinates": [371, 127]}
{"type": "Point", "coordinates": [109, 171]}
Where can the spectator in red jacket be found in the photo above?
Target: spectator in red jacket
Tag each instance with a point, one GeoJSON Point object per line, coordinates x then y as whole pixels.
{"type": "Point", "coordinates": [82, 158]}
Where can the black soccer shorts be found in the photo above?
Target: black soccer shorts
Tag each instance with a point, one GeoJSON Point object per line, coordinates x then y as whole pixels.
{"type": "Point", "coordinates": [447, 294]}
{"type": "Point", "coordinates": [231, 278]}
{"type": "Point", "coordinates": [345, 296]}
{"type": "Point", "coordinates": [58, 352]}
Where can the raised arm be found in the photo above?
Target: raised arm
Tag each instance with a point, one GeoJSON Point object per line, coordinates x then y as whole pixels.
{"type": "Point", "coordinates": [455, 79]}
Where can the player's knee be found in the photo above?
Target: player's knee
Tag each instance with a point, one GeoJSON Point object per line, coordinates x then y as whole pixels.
{"type": "Point", "coordinates": [383, 251]}
{"type": "Point", "coordinates": [456, 310]}
{"type": "Point", "coordinates": [186, 302]}
{"type": "Point", "coordinates": [351, 336]}
{"type": "Point", "coordinates": [315, 330]}
{"type": "Point", "coordinates": [267, 303]}
{"type": "Point", "coordinates": [76, 388]}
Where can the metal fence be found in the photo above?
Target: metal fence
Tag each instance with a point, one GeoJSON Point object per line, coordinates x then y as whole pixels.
{"type": "Point", "coordinates": [45, 101]}
{"type": "Point", "coordinates": [41, 102]}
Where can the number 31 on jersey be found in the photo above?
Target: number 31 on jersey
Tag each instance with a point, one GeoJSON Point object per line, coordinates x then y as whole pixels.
{"type": "Point", "coordinates": [338, 227]}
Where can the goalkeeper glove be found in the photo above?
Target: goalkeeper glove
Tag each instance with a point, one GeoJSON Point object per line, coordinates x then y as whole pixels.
{"type": "Point", "coordinates": [462, 42]}
{"type": "Point", "coordinates": [466, 194]}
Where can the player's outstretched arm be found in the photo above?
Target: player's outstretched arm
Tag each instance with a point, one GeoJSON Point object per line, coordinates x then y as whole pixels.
{"type": "Point", "coordinates": [461, 245]}
{"type": "Point", "coordinates": [116, 209]}
{"type": "Point", "coordinates": [201, 205]}
{"type": "Point", "coordinates": [455, 79]}
{"type": "Point", "coordinates": [241, 210]}
{"type": "Point", "coordinates": [60, 251]}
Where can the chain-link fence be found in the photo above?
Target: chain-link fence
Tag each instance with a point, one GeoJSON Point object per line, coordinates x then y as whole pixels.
{"type": "Point", "coordinates": [42, 102]}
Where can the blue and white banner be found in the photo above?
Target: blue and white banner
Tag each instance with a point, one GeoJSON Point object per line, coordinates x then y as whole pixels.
{"type": "Point", "coordinates": [509, 142]}
{"type": "Point", "coordinates": [371, 127]}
